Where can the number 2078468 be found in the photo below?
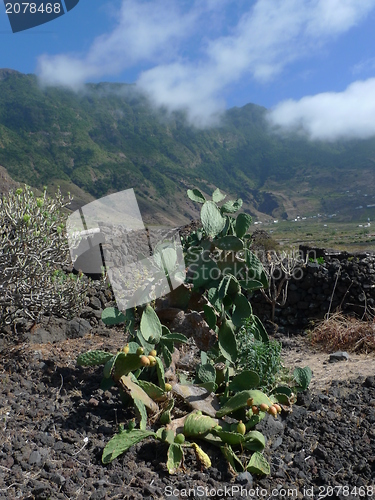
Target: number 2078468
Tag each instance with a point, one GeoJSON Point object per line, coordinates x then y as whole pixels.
{"type": "Point", "coordinates": [32, 8]}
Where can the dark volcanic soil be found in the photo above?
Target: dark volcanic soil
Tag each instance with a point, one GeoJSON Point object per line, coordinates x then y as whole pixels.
{"type": "Point", "coordinates": [55, 422]}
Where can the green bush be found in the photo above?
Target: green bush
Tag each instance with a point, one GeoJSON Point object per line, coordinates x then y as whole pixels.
{"type": "Point", "coordinates": [33, 251]}
{"type": "Point", "coordinates": [262, 357]}
{"type": "Point", "coordinates": [318, 260]}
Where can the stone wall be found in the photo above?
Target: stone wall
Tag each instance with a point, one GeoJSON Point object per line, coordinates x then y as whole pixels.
{"type": "Point", "coordinates": [310, 296]}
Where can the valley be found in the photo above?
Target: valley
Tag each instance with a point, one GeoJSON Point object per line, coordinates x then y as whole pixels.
{"type": "Point", "coordinates": [108, 138]}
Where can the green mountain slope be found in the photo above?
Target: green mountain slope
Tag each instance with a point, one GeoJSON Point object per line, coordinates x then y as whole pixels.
{"type": "Point", "coordinates": [109, 138]}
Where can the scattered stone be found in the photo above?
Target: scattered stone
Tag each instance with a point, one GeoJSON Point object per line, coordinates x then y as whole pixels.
{"type": "Point", "coordinates": [40, 335]}
{"type": "Point", "coordinates": [58, 479]}
{"type": "Point", "coordinates": [369, 382]}
{"type": "Point", "coordinates": [78, 327]}
{"type": "Point", "coordinates": [35, 458]}
{"type": "Point", "coordinates": [338, 356]}
{"type": "Point", "coordinates": [95, 303]}
{"type": "Point", "coordinates": [304, 398]}
{"type": "Point", "coordinates": [41, 491]}
{"type": "Point", "coordinates": [278, 441]}
{"type": "Point", "coordinates": [99, 494]}
{"type": "Point", "coordinates": [271, 427]}
{"type": "Point", "coordinates": [245, 479]}
{"type": "Point", "coordinates": [320, 452]}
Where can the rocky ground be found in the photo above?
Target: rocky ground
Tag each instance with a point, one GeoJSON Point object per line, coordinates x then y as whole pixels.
{"type": "Point", "coordinates": [55, 422]}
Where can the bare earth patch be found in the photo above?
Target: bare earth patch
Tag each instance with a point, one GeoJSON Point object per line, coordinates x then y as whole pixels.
{"type": "Point", "coordinates": [298, 351]}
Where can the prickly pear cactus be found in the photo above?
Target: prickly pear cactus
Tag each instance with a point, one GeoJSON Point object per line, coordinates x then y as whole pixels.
{"type": "Point", "coordinates": [212, 219]}
{"type": "Point", "coordinates": [197, 424]}
{"type": "Point", "coordinates": [150, 325]}
{"type": "Point", "coordinates": [240, 399]}
{"type": "Point", "coordinates": [220, 248]}
{"type": "Point", "coordinates": [258, 464]}
{"type": "Point", "coordinates": [112, 316]}
{"type": "Point", "coordinates": [122, 441]}
{"type": "Point", "coordinates": [303, 377]}
{"type": "Point", "coordinates": [93, 358]}
{"type": "Point", "coordinates": [175, 456]}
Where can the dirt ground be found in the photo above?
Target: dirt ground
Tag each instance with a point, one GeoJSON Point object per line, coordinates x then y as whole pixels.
{"type": "Point", "coordinates": [55, 422]}
{"type": "Point", "coordinates": [298, 351]}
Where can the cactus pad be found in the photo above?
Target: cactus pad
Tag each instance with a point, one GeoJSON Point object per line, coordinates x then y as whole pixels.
{"type": "Point", "coordinates": [93, 358]}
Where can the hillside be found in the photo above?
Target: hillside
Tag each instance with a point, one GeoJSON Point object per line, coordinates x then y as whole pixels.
{"type": "Point", "coordinates": [109, 138]}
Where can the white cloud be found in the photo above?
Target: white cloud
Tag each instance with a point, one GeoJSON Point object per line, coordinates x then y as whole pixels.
{"type": "Point", "coordinates": [364, 66]}
{"type": "Point", "coordinates": [185, 88]}
{"type": "Point", "coordinates": [63, 70]}
{"type": "Point", "coordinates": [145, 32]}
{"type": "Point", "coordinates": [331, 115]}
{"type": "Point", "coordinates": [269, 35]}
{"type": "Point", "coordinates": [337, 16]}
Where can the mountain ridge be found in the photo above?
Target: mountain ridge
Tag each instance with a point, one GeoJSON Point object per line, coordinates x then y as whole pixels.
{"type": "Point", "coordinates": [109, 138]}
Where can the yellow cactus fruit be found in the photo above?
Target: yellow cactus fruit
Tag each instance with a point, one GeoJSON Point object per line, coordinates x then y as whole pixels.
{"type": "Point", "coordinates": [153, 353]}
{"type": "Point", "coordinates": [250, 402]}
{"type": "Point", "coordinates": [241, 428]}
{"type": "Point", "coordinates": [125, 349]}
{"type": "Point", "coordinates": [168, 387]}
{"type": "Point", "coordinates": [145, 361]}
{"type": "Point", "coordinates": [140, 351]}
{"type": "Point", "coordinates": [255, 410]}
{"type": "Point", "coordinates": [278, 407]}
{"type": "Point", "coordinates": [152, 360]}
{"type": "Point", "coordinates": [272, 411]}
{"type": "Point", "coordinates": [263, 407]}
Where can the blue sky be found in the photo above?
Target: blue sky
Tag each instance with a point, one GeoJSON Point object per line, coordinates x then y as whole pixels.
{"type": "Point", "coordinates": [311, 62]}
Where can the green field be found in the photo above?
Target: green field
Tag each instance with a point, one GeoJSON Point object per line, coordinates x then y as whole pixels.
{"type": "Point", "coordinates": [323, 233]}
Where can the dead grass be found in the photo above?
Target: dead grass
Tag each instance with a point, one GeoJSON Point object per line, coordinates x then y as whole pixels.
{"type": "Point", "coordinates": [345, 333]}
